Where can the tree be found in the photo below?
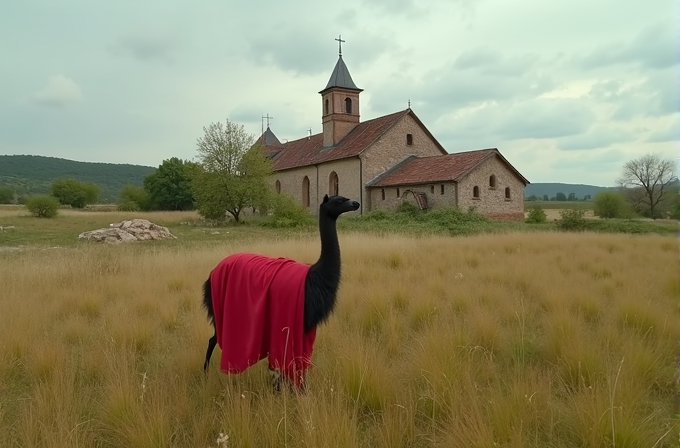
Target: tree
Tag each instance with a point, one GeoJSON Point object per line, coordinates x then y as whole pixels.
{"type": "Point", "coordinates": [571, 197]}
{"type": "Point", "coordinates": [6, 195]}
{"type": "Point", "coordinates": [43, 206]}
{"type": "Point", "coordinates": [233, 172]}
{"type": "Point", "coordinates": [133, 198]}
{"type": "Point", "coordinates": [648, 178]}
{"type": "Point", "coordinates": [545, 197]}
{"type": "Point", "coordinates": [610, 204]}
{"type": "Point", "coordinates": [560, 197]}
{"type": "Point", "coordinates": [75, 193]}
{"type": "Point", "coordinates": [169, 187]}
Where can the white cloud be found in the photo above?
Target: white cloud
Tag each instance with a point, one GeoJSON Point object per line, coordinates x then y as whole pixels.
{"type": "Point", "coordinates": [60, 91]}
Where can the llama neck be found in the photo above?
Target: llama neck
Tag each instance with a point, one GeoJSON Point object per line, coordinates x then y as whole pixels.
{"type": "Point", "coordinates": [328, 264]}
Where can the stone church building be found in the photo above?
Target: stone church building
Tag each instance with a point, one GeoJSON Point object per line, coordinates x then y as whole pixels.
{"type": "Point", "coordinates": [386, 160]}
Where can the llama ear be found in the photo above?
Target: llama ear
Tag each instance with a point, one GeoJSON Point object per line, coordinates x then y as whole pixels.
{"type": "Point", "coordinates": [325, 199]}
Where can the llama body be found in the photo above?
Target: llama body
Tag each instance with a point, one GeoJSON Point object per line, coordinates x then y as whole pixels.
{"type": "Point", "coordinates": [270, 307]}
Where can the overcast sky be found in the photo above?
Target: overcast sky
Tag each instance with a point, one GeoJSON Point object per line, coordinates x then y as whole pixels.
{"type": "Point", "coordinates": [568, 91]}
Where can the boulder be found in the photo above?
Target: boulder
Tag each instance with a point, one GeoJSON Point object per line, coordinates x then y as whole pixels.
{"type": "Point", "coordinates": [127, 231]}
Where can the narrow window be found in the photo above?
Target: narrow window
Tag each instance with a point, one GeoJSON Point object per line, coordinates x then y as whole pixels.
{"type": "Point", "coordinates": [305, 192]}
{"type": "Point", "coordinates": [348, 105]}
{"type": "Point", "coordinates": [492, 181]}
{"type": "Point", "coordinates": [333, 184]}
{"type": "Point", "coordinates": [432, 189]}
{"type": "Point", "coordinates": [398, 192]}
{"type": "Point", "coordinates": [278, 186]}
{"type": "Point", "coordinates": [326, 104]}
{"type": "Point", "coordinates": [442, 189]}
{"type": "Point", "coordinates": [475, 192]}
{"type": "Point", "coordinates": [409, 139]}
{"type": "Point", "coordinates": [382, 191]}
{"type": "Point", "coordinates": [507, 193]}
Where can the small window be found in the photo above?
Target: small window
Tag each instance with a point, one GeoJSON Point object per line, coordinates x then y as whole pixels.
{"type": "Point", "coordinates": [507, 193]}
{"type": "Point", "coordinates": [305, 192]}
{"type": "Point", "coordinates": [382, 192]}
{"type": "Point", "coordinates": [409, 139]}
{"type": "Point", "coordinates": [398, 194]}
{"type": "Point", "coordinates": [278, 186]}
{"type": "Point", "coordinates": [475, 192]}
{"type": "Point", "coordinates": [432, 189]}
{"type": "Point", "coordinates": [326, 106]}
{"type": "Point", "coordinates": [333, 184]}
{"type": "Point", "coordinates": [442, 189]}
{"type": "Point", "coordinates": [348, 105]}
{"type": "Point", "coordinates": [492, 181]}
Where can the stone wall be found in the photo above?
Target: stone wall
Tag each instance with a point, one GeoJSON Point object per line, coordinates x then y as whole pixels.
{"type": "Point", "coordinates": [435, 198]}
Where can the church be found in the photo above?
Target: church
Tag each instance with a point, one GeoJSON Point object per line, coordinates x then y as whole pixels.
{"type": "Point", "coordinates": [386, 160]}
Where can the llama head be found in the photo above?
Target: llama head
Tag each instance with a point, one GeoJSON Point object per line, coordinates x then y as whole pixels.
{"type": "Point", "coordinates": [335, 206]}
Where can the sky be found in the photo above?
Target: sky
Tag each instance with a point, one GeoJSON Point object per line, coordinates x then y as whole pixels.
{"type": "Point", "coordinates": [568, 91]}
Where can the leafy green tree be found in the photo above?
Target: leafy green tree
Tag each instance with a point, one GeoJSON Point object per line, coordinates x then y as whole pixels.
{"type": "Point", "coordinates": [43, 206]}
{"type": "Point", "coordinates": [647, 180]}
{"type": "Point", "coordinates": [169, 187]}
{"type": "Point", "coordinates": [571, 197]}
{"type": "Point", "coordinates": [133, 198]}
{"type": "Point", "coordinates": [6, 195]}
{"type": "Point", "coordinates": [75, 193]}
{"type": "Point", "coordinates": [545, 197]}
{"type": "Point", "coordinates": [560, 197]}
{"type": "Point", "coordinates": [610, 204]}
{"type": "Point", "coordinates": [232, 174]}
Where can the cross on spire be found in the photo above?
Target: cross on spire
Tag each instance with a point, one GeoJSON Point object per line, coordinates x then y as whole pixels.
{"type": "Point", "coordinates": [268, 118]}
{"type": "Point", "coordinates": [340, 41]}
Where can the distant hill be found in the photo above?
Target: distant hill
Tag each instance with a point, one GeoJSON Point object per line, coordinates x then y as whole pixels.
{"type": "Point", "coordinates": [35, 174]}
{"type": "Point", "coordinates": [551, 189]}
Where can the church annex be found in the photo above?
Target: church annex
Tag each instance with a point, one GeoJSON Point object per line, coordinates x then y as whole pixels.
{"type": "Point", "coordinates": [386, 160]}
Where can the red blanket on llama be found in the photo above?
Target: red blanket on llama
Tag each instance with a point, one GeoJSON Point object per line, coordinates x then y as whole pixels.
{"type": "Point", "coordinates": [259, 312]}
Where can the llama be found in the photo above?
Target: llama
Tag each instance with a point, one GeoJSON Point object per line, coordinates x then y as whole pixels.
{"type": "Point", "coordinates": [270, 307]}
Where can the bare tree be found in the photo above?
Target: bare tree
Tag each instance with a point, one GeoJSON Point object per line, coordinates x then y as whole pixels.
{"type": "Point", "coordinates": [650, 175]}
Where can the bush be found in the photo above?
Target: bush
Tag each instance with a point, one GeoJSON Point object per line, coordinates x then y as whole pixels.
{"type": "Point", "coordinates": [128, 206]}
{"type": "Point", "coordinates": [610, 204]}
{"type": "Point", "coordinates": [287, 213]}
{"type": "Point", "coordinates": [133, 198]}
{"type": "Point", "coordinates": [572, 219]}
{"type": "Point", "coordinates": [536, 215]}
{"type": "Point", "coordinates": [43, 206]}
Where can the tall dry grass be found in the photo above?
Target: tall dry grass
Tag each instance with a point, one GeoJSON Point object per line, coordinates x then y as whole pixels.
{"type": "Point", "coordinates": [543, 340]}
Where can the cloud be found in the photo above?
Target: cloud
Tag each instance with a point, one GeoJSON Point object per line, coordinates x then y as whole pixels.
{"type": "Point", "coordinates": [597, 138]}
{"type": "Point", "coordinates": [492, 62]}
{"type": "Point", "coordinates": [671, 133]}
{"type": "Point", "coordinates": [605, 160]}
{"type": "Point", "coordinates": [656, 95]}
{"type": "Point", "coordinates": [147, 45]}
{"type": "Point", "coordinates": [61, 91]}
{"type": "Point", "coordinates": [654, 47]}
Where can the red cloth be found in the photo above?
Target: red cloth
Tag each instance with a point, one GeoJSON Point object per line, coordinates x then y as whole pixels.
{"type": "Point", "coordinates": [259, 312]}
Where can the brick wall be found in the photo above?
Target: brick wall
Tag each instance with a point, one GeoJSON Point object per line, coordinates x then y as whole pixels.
{"type": "Point", "coordinates": [434, 199]}
{"type": "Point", "coordinates": [492, 201]}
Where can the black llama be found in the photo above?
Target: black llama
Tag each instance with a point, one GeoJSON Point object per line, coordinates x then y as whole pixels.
{"type": "Point", "coordinates": [271, 307]}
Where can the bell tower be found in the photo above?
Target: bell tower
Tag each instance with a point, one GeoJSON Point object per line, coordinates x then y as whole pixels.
{"type": "Point", "coordinates": [339, 103]}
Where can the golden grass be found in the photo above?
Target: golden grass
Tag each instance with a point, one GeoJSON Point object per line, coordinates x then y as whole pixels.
{"type": "Point", "coordinates": [541, 340]}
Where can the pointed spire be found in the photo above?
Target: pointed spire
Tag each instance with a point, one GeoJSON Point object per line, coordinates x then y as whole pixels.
{"type": "Point", "coordinates": [340, 76]}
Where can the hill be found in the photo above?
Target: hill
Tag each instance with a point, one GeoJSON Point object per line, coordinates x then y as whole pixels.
{"type": "Point", "coordinates": [551, 189]}
{"type": "Point", "coordinates": [34, 174]}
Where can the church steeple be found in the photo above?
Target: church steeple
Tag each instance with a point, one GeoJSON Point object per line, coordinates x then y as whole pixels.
{"type": "Point", "coordinates": [340, 103]}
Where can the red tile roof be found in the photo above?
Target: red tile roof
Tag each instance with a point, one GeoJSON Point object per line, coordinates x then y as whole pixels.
{"type": "Point", "coordinates": [309, 150]}
{"type": "Point", "coordinates": [444, 168]}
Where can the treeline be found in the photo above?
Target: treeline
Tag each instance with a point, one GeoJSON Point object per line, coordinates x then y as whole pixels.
{"type": "Point", "coordinates": [27, 175]}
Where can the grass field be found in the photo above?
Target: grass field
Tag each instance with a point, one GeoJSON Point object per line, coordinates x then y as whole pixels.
{"type": "Point", "coordinates": [549, 205]}
{"type": "Point", "coordinates": [511, 339]}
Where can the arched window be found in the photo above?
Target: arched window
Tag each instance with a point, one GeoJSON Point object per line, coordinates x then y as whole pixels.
{"type": "Point", "coordinates": [507, 192]}
{"type": "Point", "coordinates": [382, 192]}
{"type": "Point", "coordinates": [278, 186]}
{"type": "Point", "coordinates": [305, 192]}
{"type": "Point", "coordinates": [492, 181]}
{"type": "Point", "coordinates": [348, 105]}
{"type": "Point", "coordinates": [326, 106]}
{"type": "Point", "coordinates": [333, 184]}
{"type": "Point", "coordinates": [475, 192]}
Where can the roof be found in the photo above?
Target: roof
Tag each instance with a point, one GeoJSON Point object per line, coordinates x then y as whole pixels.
{"type": "Point", "coordinates": [341, 77]}
{"type": "Point", "coordinates": [444, 168]}
{"type": "Point", "coordinates": [310, 150]}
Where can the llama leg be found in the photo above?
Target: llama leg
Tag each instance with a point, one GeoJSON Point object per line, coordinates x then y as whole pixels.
{"type": "Point", "coordinates": [211, 346]}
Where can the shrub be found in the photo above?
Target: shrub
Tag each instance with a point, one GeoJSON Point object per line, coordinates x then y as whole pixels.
{"type": "Point", "coordinates": [409, 209]}
{"type": "Point", "coordinates": [572, 219]}
{"type": "Point", "coordinates": [128, 206]}
{"type": "Point", "coordinates": [536, 215]}
{"type": "Point", "coordinates": [132, 194]}
{"type": "Point", "coordinates": [287, 213]}
{"type": "Point", "coordinates": [43, 206]}
{"type": "Point", "coordinates": [610, 204]}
